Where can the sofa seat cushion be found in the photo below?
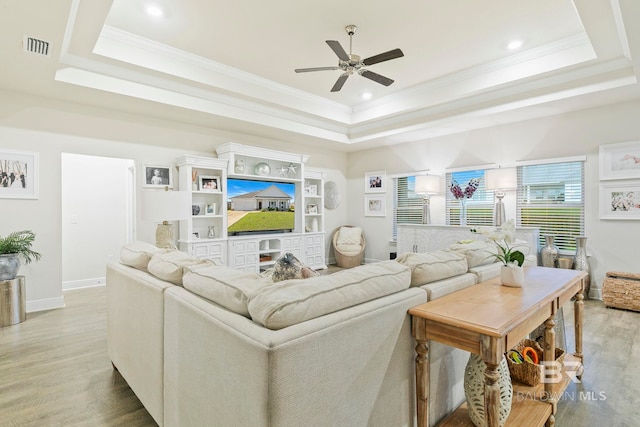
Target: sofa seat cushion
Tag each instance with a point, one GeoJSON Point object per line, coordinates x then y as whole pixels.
{"type": "Point", "coordinates": [431, 266]}
{"type": "Point", "coordinates": [138, 254]}
{"type": "Point", "coordinates": [226, 286]}
{"type": "Point", "coordinates": [170, 265]}
{"type": "Point", "coordinates": [290, 302]}
{"type": "Point", "coordinates": [477, 252]}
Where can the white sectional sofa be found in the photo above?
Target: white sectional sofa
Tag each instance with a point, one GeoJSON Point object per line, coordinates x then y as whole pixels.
{"type": "Point", "coordinates": [201, 344]}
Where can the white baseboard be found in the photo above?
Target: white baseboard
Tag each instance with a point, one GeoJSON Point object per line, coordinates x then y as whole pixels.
{"type": "Point", "coordinates": [595, 293]}
{"type": "Point", "coordinates": [80, 284]}
{"type": "Point", "coordinates": [44, 304]}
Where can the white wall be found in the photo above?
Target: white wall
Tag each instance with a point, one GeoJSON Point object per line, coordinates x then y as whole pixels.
{"type": "Point", "coordinates": [52, 127]}
{"type": "Point", "coordinates": [94, 216]}
{"type": "Point", "coordinates": [609, 243]}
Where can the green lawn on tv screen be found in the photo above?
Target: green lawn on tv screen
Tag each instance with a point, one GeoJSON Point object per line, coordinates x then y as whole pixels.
{"type": "Point", "coordinates": [264, 221]}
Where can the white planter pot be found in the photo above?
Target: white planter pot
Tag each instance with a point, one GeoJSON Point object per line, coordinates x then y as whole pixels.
{"type": "Point", "coordinates": [512, 276]}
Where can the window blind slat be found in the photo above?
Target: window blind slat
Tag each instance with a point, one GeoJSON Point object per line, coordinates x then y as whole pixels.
{"type": "Point", "coordinates": [551, 196]}
{"type": "Point", "coordinates": [407, 205]}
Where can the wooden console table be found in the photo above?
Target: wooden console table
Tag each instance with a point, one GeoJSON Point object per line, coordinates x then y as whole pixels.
{"type": "Point", "coordinates": [488, 319]}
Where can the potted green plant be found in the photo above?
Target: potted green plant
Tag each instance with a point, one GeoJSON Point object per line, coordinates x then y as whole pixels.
{"type": "Point", "coordinates": [14, 248]}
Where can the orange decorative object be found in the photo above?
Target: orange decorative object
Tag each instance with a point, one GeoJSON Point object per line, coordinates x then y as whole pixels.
{"type": "Point", "coordinates": [534, 356]}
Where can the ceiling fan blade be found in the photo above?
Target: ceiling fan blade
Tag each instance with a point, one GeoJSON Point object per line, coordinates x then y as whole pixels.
{"type": "Point", "coordinates": [376, 77]}
{"type": "Point", "coordinates": [340, 82]}
{"type": "Point", "coordinates": [306, 70]}
{"type": "Point", "coordinates": [338, 50]}
{"type": "Point", "coordinates": [385, 56]}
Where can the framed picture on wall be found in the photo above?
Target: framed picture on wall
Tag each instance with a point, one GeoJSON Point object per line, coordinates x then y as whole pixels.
{"type": "Point", "coordinates": [210, 184]}
{"type": "Point", "coordinates": [374, 206]}
{"type": "Point", "coordinates": [375, 182]}
{"type": "Point", "coordinates": [158, 176]}
{"type": "Point", "coordinates": [620, 200]}
{"type": "Point", "coordinates": [18, 174]}
{"type": "Point", "coordinates": [620, 161]}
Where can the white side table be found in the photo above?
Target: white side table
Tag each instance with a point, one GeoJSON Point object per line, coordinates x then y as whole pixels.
{"type": "Point", "coordinates": [12, 301]}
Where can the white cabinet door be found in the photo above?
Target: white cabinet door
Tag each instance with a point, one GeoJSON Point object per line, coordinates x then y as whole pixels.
{"type": "Point", "coordinates": [244, 255]}
{"type": "Point", "coordinates": [314, 250]}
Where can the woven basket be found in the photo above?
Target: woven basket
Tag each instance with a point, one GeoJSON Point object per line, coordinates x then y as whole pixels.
{"type": "Point", "coordinates": [621, 290]}
{"type": "Point", "coordinates": [529, 373]}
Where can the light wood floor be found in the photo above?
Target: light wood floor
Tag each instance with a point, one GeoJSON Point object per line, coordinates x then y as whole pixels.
{"type": "Point", "coordinates": [54, 370]}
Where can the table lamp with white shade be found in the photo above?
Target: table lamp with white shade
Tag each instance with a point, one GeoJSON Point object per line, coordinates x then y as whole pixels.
{"type": "Point", "coordinates": [163, 206]}
{"type": "Point", "coordinates": [427, 185]}
{"type": "Point", "coordinates": [500, 180]}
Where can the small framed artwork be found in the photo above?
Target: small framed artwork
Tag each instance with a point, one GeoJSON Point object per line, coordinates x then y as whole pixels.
{"type": "Point", "coordinates": [210, 184]}
{"type": "Point", "coordinates": [312, 209]}
{"type": "Point", "coordinates": [158, 176]}
{"type": "Point", "coordinates": [374, 206]}
{"type": "Point", "coordinates": [18, 175]}
{"type": "Point", "coordinates": [375, 182]}
{"type": "Point", "coordinates": [210, 209]}
{"type": "Point", "coordinates": [195, 235]}
{"type": "Point", "coordinates": [311, 190]}
{"type": "Point", "coordinates": [620, 200]}
{"type": "Point", "coordinates": [620, 161]}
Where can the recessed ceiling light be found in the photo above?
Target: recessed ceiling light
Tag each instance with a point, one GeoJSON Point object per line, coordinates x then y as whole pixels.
{"type": "Point", "coordinates": [515, 44]}
{"type": "Point", "coordinates": [154, 10]}
{"type": "Point", "coordinates": [367, 95]}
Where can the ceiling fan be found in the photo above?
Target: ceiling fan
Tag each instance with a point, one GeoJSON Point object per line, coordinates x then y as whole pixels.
{"type": "Point", "coordinates": [350, 63]}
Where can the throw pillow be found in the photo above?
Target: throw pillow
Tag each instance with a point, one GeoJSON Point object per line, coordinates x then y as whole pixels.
{"type": "Point", "coordinates": [287, 267]}
{"type": "Point", "coordinates": [349, 236]}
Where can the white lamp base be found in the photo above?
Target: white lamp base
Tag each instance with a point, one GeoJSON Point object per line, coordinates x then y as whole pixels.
{"type": "Point", "coordinates": [499, 214]}
{"type": "Point", "coordinates": [164, 236]}
{"type": "Point", "coordinates": [426, 212]}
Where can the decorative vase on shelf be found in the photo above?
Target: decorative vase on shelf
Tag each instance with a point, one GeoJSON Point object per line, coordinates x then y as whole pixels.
{"type": "Point", "coordinates": [549, 253]}
{"type": "Point", "coordinates": [314, 225]}
{"type": "Point", "coordinates": [463, 211]}
{"type": "Point", "coordinates": [474, 390]}
{"type": "Point", "coordinates": [512, 276]}
{"type": "Point", "coordinates": [211, 233]}
{"type": "Point", "coordinates": [239, 166]}
{"type": "Point", "coordinates": [581, 262]}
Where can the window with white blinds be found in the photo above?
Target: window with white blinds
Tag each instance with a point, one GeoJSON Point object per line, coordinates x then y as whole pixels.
{"type": "Point", "coordinates": [551, 197]}
{"type": "Point", "coordinates": [407, 205]}
{"type": "Point", "coordinates": [479, 207]}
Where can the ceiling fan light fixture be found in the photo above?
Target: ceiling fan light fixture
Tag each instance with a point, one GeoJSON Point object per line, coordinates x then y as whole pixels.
{"type": "Point", "coordinates": [350, 62]}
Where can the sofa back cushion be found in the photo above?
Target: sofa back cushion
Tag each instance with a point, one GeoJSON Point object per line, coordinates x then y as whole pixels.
{"type": "Point", "coordinates": [477, 252]}
{"type": "Point", "coordinates": [170, 265]}
{"type": "Point", "coordinates": [289, 302]}
{"type": "Point", "coordinates": [226, 286]}
{"type": "Point", "coordinates": [138, 254]}
{"type": "Point", "coordinates": [431, 266]}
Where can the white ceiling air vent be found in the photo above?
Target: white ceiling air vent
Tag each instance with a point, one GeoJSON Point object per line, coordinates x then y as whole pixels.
{"type": "Point", "coordinates": [37, 46]}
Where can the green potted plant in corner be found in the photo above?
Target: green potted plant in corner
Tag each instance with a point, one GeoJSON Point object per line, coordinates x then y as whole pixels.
{"type": "Point", "coordinates": [14, 248]}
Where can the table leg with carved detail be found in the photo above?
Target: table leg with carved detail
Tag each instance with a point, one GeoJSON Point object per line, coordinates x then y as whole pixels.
{"type": "Point", "coordinates": [418, 326]}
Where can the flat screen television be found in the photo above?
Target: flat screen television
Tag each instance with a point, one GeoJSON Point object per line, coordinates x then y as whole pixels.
{"type": "Point", "coordinates": [256, 206]}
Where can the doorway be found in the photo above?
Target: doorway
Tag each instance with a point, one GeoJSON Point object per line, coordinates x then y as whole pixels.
{"type": "Point", "coordinates": [98, 216]}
